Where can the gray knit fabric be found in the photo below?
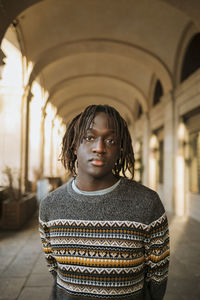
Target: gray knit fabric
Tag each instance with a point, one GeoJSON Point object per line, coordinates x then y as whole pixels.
{"type": "Point", "coordinates": [130, 202]}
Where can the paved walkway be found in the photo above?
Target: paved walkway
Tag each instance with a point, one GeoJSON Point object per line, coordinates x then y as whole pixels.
{"type": "Point", "coordinates": [24, 275]}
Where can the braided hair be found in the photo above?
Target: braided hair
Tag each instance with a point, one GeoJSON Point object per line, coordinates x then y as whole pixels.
{"type": "Point", "coordinates": [76, 131]}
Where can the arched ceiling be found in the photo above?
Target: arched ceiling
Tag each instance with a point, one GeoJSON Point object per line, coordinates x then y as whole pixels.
{"type": "Point", "coordinates": [107, 51]}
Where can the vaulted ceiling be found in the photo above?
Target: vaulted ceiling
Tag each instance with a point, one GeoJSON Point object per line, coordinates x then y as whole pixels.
{"type": "Point", "coordinates": [101, 51]}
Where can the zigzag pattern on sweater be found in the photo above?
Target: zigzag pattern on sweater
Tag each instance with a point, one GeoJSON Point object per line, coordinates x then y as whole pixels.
{"type": "Point", "coordinates": [105, 258]}
{"type": "Point", "coordinates": [94, 223]}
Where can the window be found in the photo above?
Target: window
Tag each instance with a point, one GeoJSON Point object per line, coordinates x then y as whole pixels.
{"type": "Point", "coordinates": [158, 93]}
{"type": "Point", "coordinates": [139, 111]}
{"type": "Point", "coordinates": [192, 58]}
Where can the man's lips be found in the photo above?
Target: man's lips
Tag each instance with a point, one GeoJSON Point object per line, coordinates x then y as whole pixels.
{"type": "Point", "coordinates": [97, 162]}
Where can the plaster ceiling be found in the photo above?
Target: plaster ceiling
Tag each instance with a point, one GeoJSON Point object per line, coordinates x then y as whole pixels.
{"type": "Point", "coordinates": [107, 51]}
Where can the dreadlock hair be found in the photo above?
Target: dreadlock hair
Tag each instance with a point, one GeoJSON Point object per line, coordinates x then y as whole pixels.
{"type": "Point", "coordinates": [77, 129]}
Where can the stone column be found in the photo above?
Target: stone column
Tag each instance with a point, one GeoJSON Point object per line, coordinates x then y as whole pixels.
{"type": "Point", "coordinates": [24, 138]}
{"type": "Point", "coordinates": [169, 167]}
{"type": "Point", "coordinates": [42, 141]}
{"type": "Point", "coordinates": [153, 162]}
{"type": "Point", "coordinates": [180, 178]}
{"type": "Point", "coordinates": [145, 152]}
{"type": "Point", "coordinates": [27, 132]}
{"type": "Point", "coordinates": [52, 149]}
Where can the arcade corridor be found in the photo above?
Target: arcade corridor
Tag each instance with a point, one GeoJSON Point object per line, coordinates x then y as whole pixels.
{"type": "Point", "coordinates": [142, 58]}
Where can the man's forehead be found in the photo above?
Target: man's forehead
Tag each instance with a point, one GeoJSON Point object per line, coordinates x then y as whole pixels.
{"type": "Point", "coordinates": [102, 120]}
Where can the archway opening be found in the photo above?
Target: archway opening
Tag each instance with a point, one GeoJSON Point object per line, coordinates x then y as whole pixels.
{"type": "Point", "coordinates": [191, 60]}
{"type": "Point", "coordinates": [158, 93]}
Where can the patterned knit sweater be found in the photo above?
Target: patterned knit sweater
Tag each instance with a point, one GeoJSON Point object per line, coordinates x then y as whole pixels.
{"type": "Point", "coordinates": [110, 246]}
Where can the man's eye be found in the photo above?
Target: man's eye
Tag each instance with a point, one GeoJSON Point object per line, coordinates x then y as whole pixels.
{"type": "Point", "coordinates": [110, 141]}
{"type": "Point", "coordinates": [89, 138]}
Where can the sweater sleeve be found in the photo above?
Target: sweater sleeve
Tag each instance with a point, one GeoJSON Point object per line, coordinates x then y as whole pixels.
{"type": "Point", "coordinates": [157, 259]}
{"type": "Point", "coordinates": [46, 243]}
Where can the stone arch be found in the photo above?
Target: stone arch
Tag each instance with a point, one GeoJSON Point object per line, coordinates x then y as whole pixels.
{"type": "Point", "coordinates": [81, 101]}
{"type": "Point", "coordinates": [144, 56]}
{"type": "Point", "coordinates": [136, 91]}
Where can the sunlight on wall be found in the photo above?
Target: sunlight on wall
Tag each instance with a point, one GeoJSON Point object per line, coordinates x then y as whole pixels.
{"type": "Point", "coordinates": [12, 71]}
{"type": "Point", "coordinates": [153, 161]}
{"type": "Point", "coordinates": [51, 112]}
{"type": "Point", "coordinates": [52, 136]}
{"type": "Point", "coordinates": [15, 76]}
{"type": "Point", "coordinates": [57, 138]}
{"type": "Point", "coordinates": [36, 105]}
{"type": "Point", "coordinates": [180, 172]}
{"type": "Point", "coordinates": [11, 90]}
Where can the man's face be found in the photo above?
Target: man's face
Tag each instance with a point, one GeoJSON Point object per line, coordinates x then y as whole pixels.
{"type": "Point", "coordinates": [99, 150]}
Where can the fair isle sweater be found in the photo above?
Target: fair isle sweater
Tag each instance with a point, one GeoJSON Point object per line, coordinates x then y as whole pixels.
{"type": "Point", "coordinates": [110, 246]}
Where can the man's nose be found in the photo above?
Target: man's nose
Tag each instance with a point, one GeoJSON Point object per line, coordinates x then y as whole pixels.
{"type": "Point", "coordinates": [99, 146]}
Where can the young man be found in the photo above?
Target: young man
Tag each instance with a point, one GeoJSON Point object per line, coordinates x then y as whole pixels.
{"type": "Point", "coordinates": [104, 236]}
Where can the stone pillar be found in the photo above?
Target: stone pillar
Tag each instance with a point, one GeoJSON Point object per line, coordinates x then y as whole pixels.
{"type": "Point", "coordinates": [23, 134]}
{"type": "Point", "coordinates": [25, 120]}
{"type": "Point", "coordinates": [169, 167]}
{"type": "Point", "coordinates": [27, 132]}
{"type": "Point", "coordinates": [153, 162]}
{"type": "Point", "coordinates": [42, 141]}
{"type": "Point", "coordinates": [52, 149]}
{"type": "Point", "coordinates": [145, 152]}
{"type": "Point", "coordinates": [180, 182]}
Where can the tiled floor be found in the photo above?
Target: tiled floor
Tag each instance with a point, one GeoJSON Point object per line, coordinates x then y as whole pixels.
{"type": "Point", "coordinates": [24, 275]}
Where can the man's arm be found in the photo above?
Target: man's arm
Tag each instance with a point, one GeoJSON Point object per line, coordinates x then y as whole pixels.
{"type": "Point", "coordinates": [157, 259]}
{"type": "Point", "coordinates": [45, 237]}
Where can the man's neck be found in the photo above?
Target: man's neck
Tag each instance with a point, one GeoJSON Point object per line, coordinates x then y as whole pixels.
{"type": "Point", "coordinates": [95, 184]}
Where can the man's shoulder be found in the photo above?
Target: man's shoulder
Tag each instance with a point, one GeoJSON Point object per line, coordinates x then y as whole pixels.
{"type": "Point", "coordinates": [139, 188]}
{"type": "Point", "coordinates": [53, 203]}
{"type": "Point", "coordinates": [55, 195]}
{"type": "Point", "coordinates": [145, 201]}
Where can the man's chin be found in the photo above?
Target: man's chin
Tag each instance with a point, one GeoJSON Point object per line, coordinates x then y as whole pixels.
{"type": "Point", "coordinates": [101, 175]}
